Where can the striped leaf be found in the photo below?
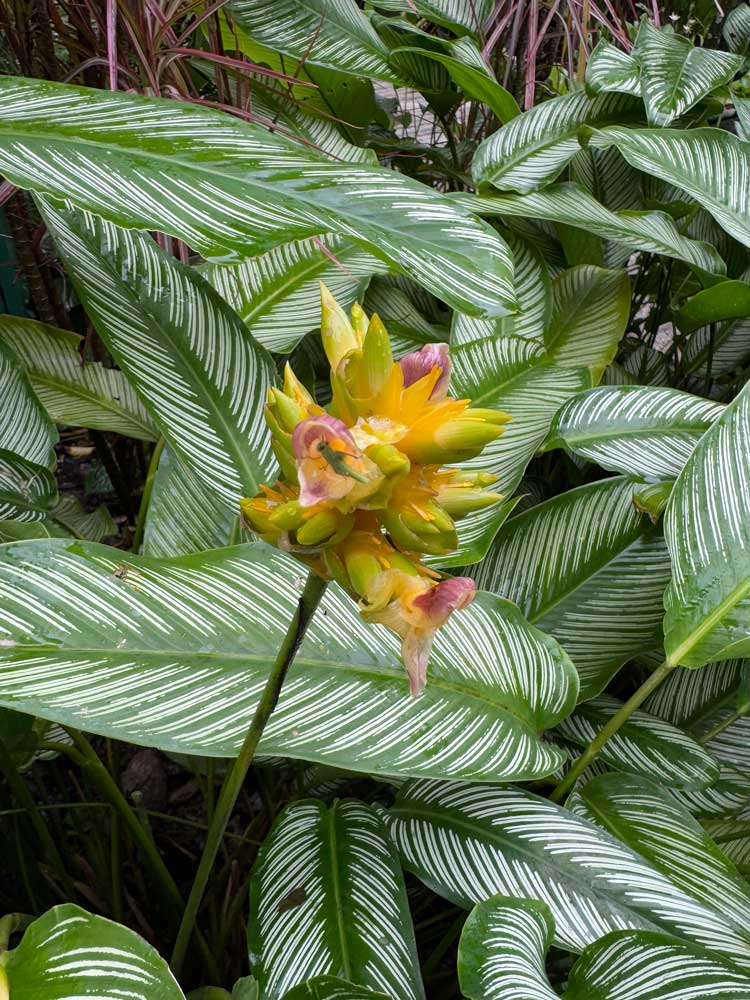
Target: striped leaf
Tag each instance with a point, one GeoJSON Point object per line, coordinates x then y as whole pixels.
{"type": "Point", "coordinates": [327, 896]}
{"type": "Point", "coordinates": [25, 428]}
{"type": "Point", "coordinates": [95, 525]}
{"type": "Point", "coordinates": [717, 350]}
{"type": "Point", "coordinates": [230, 189]}
{"type": "Point", "coordinates": [503, 948]}
{"type": "Point", "coordinates": [18, 531]}
{"type": "Point", "coordinates": [69, 954]}
{"type": "Point", "coordinates": [278, 294]}
{"type": "Point", "coordinates": [732, 837]}
{"type": "Point", "coordinates": [331, 988]}
{"type": "Point", "coordinates": [331, 33]}
{"type": "Point", "coordinates": [407, 326]}
{"type": "Point", "coordinates": [175, 653]}
{"type": "Point", "coordinates": [82, 394]}
{"type": "Point", "coordinates": [533, 149]}
{"type": "Point", "coordinates": [708, 534]}
{"type": "Point", "coordinates": [191, 360]}
{"type": "Point", "coordinates": [729, 796]}
{"type": "Point", "coordinates": [468, 842]}
{"type": "Point", "coordinates": [651, 822]}
{"type": "Point", "coordinates": [610, 69]}
{"type": "Point", "coordinates": [570, 205]}
{"type": "Point", "coordinates": [458, 15]}
{"type": "Point", "coordinates": [590, 310]}
{"type": "Point", "coordinates": [590, 570]}
{"type": "Point", "coordinates": [653, 967]}
{"type": "Point", "coordinates": [645, 745]}
{"type": "Point", "coordinates": [736, 29]}
{"type": "Point", "coordinates": [645, 431]}
{"type": "Point", "coordinates": [28, 492]}
{"type": "Point", "coordinates": [675, 74]}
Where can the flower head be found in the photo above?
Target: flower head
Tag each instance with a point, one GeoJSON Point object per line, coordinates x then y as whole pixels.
{"type": "Point", "coordinates": [363, 495]}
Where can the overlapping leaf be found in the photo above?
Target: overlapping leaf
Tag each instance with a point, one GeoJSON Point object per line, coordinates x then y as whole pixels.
{"type": "Point", "coordinates": [28, 491]}
{"type": "Point", "coordinates": [610, 69]}
{"type": "Point", "coordinates": [25, 427]}
{"type": "Point", "coordinates": [457, 15]}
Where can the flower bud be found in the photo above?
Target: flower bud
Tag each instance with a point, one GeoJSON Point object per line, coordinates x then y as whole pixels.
{"type": "Point", "coordinates": [423, 362]}
{"type": "Point", "coordinates": [415, 534]}
{"type": "Point", "coordinates": [294, 389]}
{"type": "Point", "coordinates": [325, 527]}
{"type": "Point", "coordinates": [338, 335]}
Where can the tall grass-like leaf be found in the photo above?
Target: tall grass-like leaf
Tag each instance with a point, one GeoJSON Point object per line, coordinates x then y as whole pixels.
{"type": "Point", "coordinates": [327, 896]}
{"type": "Point", "coordinates": [162, 172]}
{"type": "Point", "coordinates": [174, 654]}
{"type": "Point", "coordinates": [25, 427]}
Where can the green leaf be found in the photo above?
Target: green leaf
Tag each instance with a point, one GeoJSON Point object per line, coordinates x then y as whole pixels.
{"type": "Point", "coordinates": [653, 967]}
{"type": "Point", "coordinates": [25, 428]}
{"type": "Point", "coordinates": [189, 357]}
{"type": "Point", "coordinates": [68, 953]}
{"type": "Point", "coordinates": [736, 30]}
{"type": "Point", "coordinates": [676, 74]}
{"type": "Point", "coordinates": [405, 322]}
{"type": "Point", "coordinates": [82, 394]}
{"type": "Point", "coordinates": [645, 745]}
{"type": "Point", "coordinates": [327, 896]}
{"type": "Point", "coordinates": [278, 294]}
{"type": "Point", "coordinates": [28, 492]}
{"type": "Point", "coordinates": [590, 309]}
{"type": "Point", "coordinates": [534, 148]}
{"type": "Point", "coordinates": [468, 842]}
{"type": "Point", "coordinates": [458, 15]}
{"type": "Point", "coordinates": [503, 948]}
{"type": "Point", "coordinates": [732, 837]}
{"type": "Point", "coordinates": [174, 653]}
{"type": "Point", "coordinates": [18, 531]}
{"type": "Point", "coordinates": [717, 350]}
{"type": "Point", "coordinates": [230, 189]}
{"type": "Point", "coordinates": [726, 300]}
{"type": "Point", "coordinates": [94, 526]}
{"type": "Point", "coordinates": [331, 988]}
{"type": "Point", "coordinates": [708, 534]}
{"type": "Point", "coordinates": [643, 431]}
{"type": "Point", "coordinates": [730, 795]}
{"type": "Point", "coordinates": [571, 205]}
{"type": "Point", "coordinates": [610, 69]}
{"type": "Point", "coordinates": [590, 570]}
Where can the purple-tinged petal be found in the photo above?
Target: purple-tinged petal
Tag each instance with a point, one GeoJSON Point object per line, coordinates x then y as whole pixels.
{"type": "Point", "coordinates": [439, 602]}
{"type": "Point", "coordinates": [420, 363]}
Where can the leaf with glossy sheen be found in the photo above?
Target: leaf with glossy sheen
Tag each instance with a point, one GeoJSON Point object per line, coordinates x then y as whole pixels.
{"type": "Point", "coordinates": [645, 431]}
{"type": "Point", "coordinates": [645, 745]}
{"type": "Point", "coordinates": [726, 300]}
{"type": "Point", "coordinates": [331, 988]}
{"type": "Point", "coordinates": [503, 948]}
{"type": "Point", "coordinates": [231, 189]}
{"type": "Point", "coordinates": [458, 15]}
{"type": "Point", "coordinates": [189, 357]}
{"type": "Point", "coordinates": [610, 69]}
{"type": "Point", "coordinates": [25, 427]}
{"type": "Point", "coordinates": [533, 149]}
{"type": "Point", "coordinates": [470, 841]}
{"type": "Point", "coordinates": [69, 954]}
{"type": "Point", "coordinates": [590, 570]}
{"type": "Point", "coordinates": [174, 654]}
{"type": "Point", "coordinates": [708, 534]}
{"type": "Point", "coordinates": [590, 309]}
{"type": "Point", "coordinates": [735, 29]}
{"type": "Point", "coordinates": [28, 492]}
{"type": "Point", "coordinates": [327, 896]}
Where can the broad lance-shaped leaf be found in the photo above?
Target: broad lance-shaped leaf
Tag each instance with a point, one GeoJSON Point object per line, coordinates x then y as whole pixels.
{"type": "Point", "coordinates": [503, 948]}
{"type": "Point", "coordinates": [645, 431]}
{"type": "Point", "coordinates": [468, 842]}
{"type": "Point", "coordinates": [645, 745]}
{"type": "Point", "coordinates": [230, 189]}
{"type": "Point", "coordinates": [189, 357]}
{"type": "Point", "coordinates": [590, 308]}
{"type": "Point", "coordinates": [458, 15]}
{"type": "Point", "coordinates": [332, 988]}
{"type": "Point", "coordinates": [590, 570]}
{"type": "Point", "coordinates": [708, 534]}
{"type": "Point", "coordinates": [327, 896]}
{"type": "Point", "coordinates": [71, 390]}
{"type": "Point", "coordinates": [533, 149]}
{"type": "Point", "coordinates": [28, 492]}
{"type": "Point", "coordinates": [69, 953]}
{"type": "Point", "coordinates": [610, 69]}
{"type": "Point", "coordinates": [278, 294]}
{"type": "Point", "coordinates": [571, 205]}
{"type": "Point", "coordinates": [25, 428]}
{"type": "Point", "coordinates": [175, 653]}
{"type": "Point", "coordinates": [650, 821]}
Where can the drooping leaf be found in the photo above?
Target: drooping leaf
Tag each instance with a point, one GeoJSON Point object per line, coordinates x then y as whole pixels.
{"type": "Point", "coordinates": [327, 896]}
{"type": "Point", "coordinates": [28, 492]}
{"type": "Point", "coordinates": [637, 430]}
{"type": "Point", "coordinates": [708, 534]}
{"type": "Point", "coordinates": [162, 173]}
{"type": "Point", "coordinates": [73, 391]}
{"type": "Point", "coordinates": [25, 427]}
{"type": "Point", "coordinates": [590, 570]}
{"type": "Point", "coordinates": [174, 654]}
{"type": "Point", "coordinates": [503, 948]}
{"type": "Point", "coordinates": [191, 360]}
{"type": "Point", "coordinates": [729, 796]}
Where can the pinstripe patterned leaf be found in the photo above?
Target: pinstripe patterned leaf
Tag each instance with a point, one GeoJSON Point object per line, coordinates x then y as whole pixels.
{"type": "Point", "coordinates": [533, 149]}
{"type": "Point", "coordinates": [278, 294]}
{"type": "Point", "coordinates": [732, 837]}
{"type": "Point", "coordinates": [590, 570]}
{"type": "Point", "coordinates": [708, 534]}
{"type": "Point", "coordinates": [716, 350]}
{"type": "Point", "coordinates": [95, 525]}
{"type": "Point", "coordinates": [645, 431]}
{"type": "Point", "coordinates": [730, 796]}
{"type": "Point", "coordinates": [645, 745]}
{"type": "Point", "coordinates": [25, 428]}
{"type": "Point", "coordinates": [650, 821]}
{"type": "Point", "coordinates": [651, 966]}
{"type": "Point", "coordinates": [407, 327]}
{"type": "Point", "coordinates": [590, 309]}
{"type": "Point", "coordinates": [28, 491]}
{"type": "Point", "coordinates": [191, 360]}
{"type": "Point", "coordinates": [331, 988]}
{"type": "Point", "coordinates": [571, 205]}
{"type": "Point", "coordinates": [468, 842]}
{"type": "Point", "coordinates": [502, 950]}
{"type": "Point", "coordinates": [69, 954]}
{"type": "Point", "coordinates": [82, 395]}
{"type": "Point", "coordinates": [231, 189]}
{"type": "Point", "coordinates": [454, 14]}
{"type": "Point", "coordinates": [610, 69]}
{"type": "Point", "coordinates": [327, 896]}
{"type": "Point", "coordinates": [174, 654]}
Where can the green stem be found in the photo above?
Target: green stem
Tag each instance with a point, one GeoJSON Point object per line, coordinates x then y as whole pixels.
{"type": "Point", "coordinates": [725, 723]}
{"type": "Point", "coordinates": [607, 731]}
{"type": "Point", "coordinates": [308, 602]}
{"type": "Point", "coordinates": [148, 487]}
